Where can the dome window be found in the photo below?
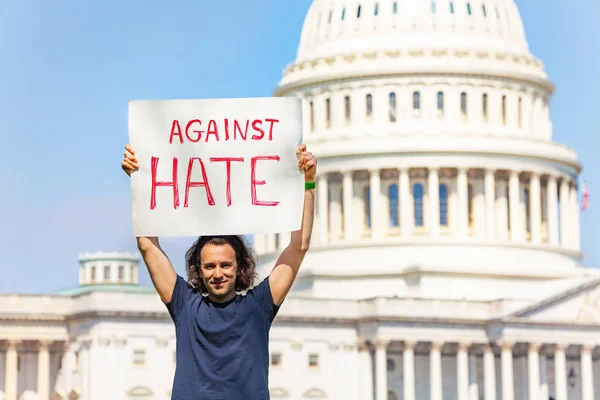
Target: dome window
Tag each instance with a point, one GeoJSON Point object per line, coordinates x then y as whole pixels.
{"type": "Point", "coordinates": [416, 101]}
{"type": "Point", "coordinates": [393, 199]}
{"type": "Point", "coordinates": [484, 10]}
{"type": "Point", "coordinates": [369, 107]}
{"type": "Point", "coordinates": [343, 13]}
{"type": "Point", "coordinates": [443, 205]}
{"type": "Point", "coordinates": [469, 9]}
{"type": "Point", "coordinates": [395, 8]}
{"type": "Point", "coordinates": [451, 7]}
{"type": "Point", "coordinates": [367, 203]}
{"type": "Point", "coordinates": [463, 104]}
{"type": "Point", "coordinates": [312, 116]}
{"type": "Point", "coordinates": [328, 112]}
{"type": "Point", "coordinates": [433, 7]}
{"type": "Point", "coordinates": [376, 12]}
{"type": "Point", "coordinates": [347, 108]}
{"type": "Point", "coordinates": [418, 193]}
{"type": "Point", "coordinates": [440, 102]}
{"type": "Point", "coordinates": [504, 110]}
{"type": "Point", "coordinates": [485, 107]}
{"type": "Point", "coordinates": [392, 107]}
{"type": "Point", "coordinates": [358, 12]}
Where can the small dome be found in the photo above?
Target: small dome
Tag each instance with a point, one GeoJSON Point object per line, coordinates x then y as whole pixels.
{"type": "Point", "coordinates": [338, 27]}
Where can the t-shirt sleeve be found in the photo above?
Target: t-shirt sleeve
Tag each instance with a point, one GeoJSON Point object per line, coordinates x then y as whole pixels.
{"type": "Point", "coordinates": [262, 294]}
{"type": "Point", "coordinates": [182, 293]}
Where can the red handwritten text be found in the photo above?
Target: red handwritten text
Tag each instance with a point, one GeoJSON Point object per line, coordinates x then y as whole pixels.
{"type": "Point", "coordinates": [204, 183]}
{"type": "Point", "coordinates": [221, 130]}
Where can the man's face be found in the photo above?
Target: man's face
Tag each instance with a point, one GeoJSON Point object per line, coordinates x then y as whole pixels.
{"type": "Point", "coordinates": [218, 270]}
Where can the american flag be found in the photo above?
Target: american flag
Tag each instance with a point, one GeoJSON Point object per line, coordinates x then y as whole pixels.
{"type": "Point", "coordinates": [585, 204]}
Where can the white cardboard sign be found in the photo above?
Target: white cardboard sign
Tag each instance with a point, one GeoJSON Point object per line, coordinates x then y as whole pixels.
{"type": "Point", "coordinates": [216, 166]}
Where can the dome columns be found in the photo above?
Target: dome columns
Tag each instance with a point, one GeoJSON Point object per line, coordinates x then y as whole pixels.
{"type": "Point", "coordinates": [537, 208]}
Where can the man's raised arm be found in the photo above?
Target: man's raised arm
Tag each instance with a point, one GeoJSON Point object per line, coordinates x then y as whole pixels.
{"type": "Point", "coordinates": [286, 268]}
{"type": "Point", "coordinates": [159, 266]}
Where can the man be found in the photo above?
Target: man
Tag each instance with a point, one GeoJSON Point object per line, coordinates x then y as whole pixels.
{"type": "Point", "coordinates": [223, 336]}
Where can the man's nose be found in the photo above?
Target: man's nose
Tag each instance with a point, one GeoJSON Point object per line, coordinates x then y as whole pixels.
{"type": "Point", "coordinates": [218, 272]}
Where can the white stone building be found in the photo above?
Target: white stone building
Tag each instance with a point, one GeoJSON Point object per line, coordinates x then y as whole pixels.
{"type": "Point", "coordinates": [445, 261]}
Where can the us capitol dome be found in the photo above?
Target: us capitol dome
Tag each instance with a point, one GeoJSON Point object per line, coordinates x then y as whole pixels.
{"type": "Point", "coordinates": [445, 257]}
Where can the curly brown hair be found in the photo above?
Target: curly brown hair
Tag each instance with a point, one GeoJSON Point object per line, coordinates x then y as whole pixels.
{"type": "Point", "coordinates": [245, 257]}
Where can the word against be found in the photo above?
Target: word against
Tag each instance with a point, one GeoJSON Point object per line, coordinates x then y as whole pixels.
{"type": "Point", "coordinates": [220, 166]}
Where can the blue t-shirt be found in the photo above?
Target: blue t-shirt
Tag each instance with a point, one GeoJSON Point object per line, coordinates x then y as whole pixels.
{"type": "Point", "coordinates": [222, 348]}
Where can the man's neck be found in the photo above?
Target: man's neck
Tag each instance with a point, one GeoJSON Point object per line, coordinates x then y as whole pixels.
{"type": "Point", "coordinates": [223, 299]}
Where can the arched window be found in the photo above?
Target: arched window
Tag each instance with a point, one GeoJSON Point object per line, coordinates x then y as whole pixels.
{"type": "Point", "coordinates": [393, 199]}
{"type": "Point", "coordinates": [328, 112]}
{"type": "Point", "coordinates": [343, 13]}
{"type": "Point", "coordinates": [395, 7]}
{"type": "Point", "coordinates": [358, 12]}
{"type": "Point", "coordinates": [93, 274]}
{"type": "Point", "coordinates": [504, 109]}
{"type": "Point", "coordinates": [440, 102]}
{"type": "Point", "coordinates": [433, 7]}
{"type": "Point", "coordinates": [463, 104]}
{"type": "Point", "coordinates": [443, 205]}
{"type": "Point", "coordinates": [471, 205]}
{"type": "Point", "coordinates": [369, 107]}
{"type": "Point", "coordinates": [418, 193]}
{"type": "Point", "coordinates": [485, 107]}
{"type": "Point", "coordinates": [376, 11]}
{"type": "Point", "coordinates": [484, 11]}
{"type": "Point", "coordinates": [347, 108]}
{"type": "Point", "coordinates": [367, 203]}
{"type": "Point", "coordinates": [469, 9]}
{"type": "Point", "coordinates": [451, 7]}
{"type": "Point", "coordinates": [392, 107]}
{"type": "Point", "coordinates": [525, 194]}
{"type": "Point", "coordinates": [416, 101]}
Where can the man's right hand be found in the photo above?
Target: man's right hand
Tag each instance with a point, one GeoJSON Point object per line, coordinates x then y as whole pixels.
{"type": "Point", "coordinates": [130, 161]}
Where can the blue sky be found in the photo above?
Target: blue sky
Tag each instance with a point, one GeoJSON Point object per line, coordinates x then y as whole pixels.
{"type": "Point", "coordinates": [69, 68]}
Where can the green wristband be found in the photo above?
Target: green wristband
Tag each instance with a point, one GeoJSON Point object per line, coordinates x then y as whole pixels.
{"type": "Point", "coordinates": [310, 185]}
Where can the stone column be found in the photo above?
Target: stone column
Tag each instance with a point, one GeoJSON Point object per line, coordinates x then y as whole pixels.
{"type": "Point", "coordinates": [347, 187]}
{"type": "Point", "coordinates": [462, 371]}
{"type": "Point", "coordinates": [463, 202]}
{"type": "Point", "coordinates": [435, 370]}
{"type": "Point", "coordinates": [564, 213]}
{"type": "Point", "coordinates": [508, 387]}
{"type": "Point", "coordinates": [43, 380]}
{"type": "Point", "coordinates": [84, 369]}
{"type": "Point", "coordinates": [533, 363]}
{"type": "Point", "coordinates": [560, 372]}
{"type": "Point", "coordinates": [535, 209]}
{"type": "Point", "coordinates": [381, 384]}
{"type": "Point", "coordinates": [323, 200]}
{"type": "Point", "coordinates": [366, 368]}
{"type": "Point", "coordinates": [490, 203]}
{"type": "Point", "coordinates": [10, 382]}
{"type": "Point", "coordinates": [587, 373]}
{"type": "Point", "coordinates": [434, 202]}
{"type": "Point", "coordinates": [376, 225]}
{"type": "Point", "coordinates": [551, 198]}
{"type": "Point", "coordinates": [67, 367]}
{"type": "Point", "coordinates": [406, 220]}
{"type": "Point", "coordinates": [489, 373]}
{"type": "Point", "coordinates": [514, 207]}
{"type": "Point", "coordinates": [408, 359]}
